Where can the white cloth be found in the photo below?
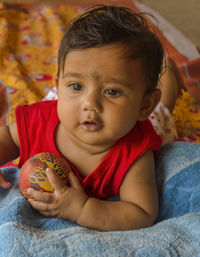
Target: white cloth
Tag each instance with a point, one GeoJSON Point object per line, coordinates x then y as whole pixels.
{"type": "Point", "coordinates": [163, 123]}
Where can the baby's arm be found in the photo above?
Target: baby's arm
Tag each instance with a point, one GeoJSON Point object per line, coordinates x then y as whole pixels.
{"type": "Point", "coordinates": [137, 208]}
{"type": "Point", "coordinates": [138, 205]}
{"type": "Point", "coordinates": [9, 149]}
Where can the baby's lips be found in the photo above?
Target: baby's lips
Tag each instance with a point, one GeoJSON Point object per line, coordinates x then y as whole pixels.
{"type": "Point", "coordinates": [90, 126]}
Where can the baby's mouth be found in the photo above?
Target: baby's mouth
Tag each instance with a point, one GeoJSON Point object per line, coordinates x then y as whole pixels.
{"type": "Point", "coordinates": [90, 126]}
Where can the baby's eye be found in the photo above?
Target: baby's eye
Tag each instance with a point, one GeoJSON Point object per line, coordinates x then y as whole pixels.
{"type": "Point", "coordinates": [112, 92]}
{"type": "Point", "coordinates": [76, 86]}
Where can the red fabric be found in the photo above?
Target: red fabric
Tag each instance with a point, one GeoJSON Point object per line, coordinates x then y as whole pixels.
{"type": "Point", "coordinates": [36, 125]}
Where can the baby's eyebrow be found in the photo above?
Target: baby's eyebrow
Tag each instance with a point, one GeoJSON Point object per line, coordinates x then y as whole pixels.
{"type": "Point", "coordinates": [119, 81]}
{"type": "Point", "coordinates": [72, 74]}
{"type": "Point", "coordinates": [108, 79]}
{"type": "Point", "coordinates": [96, 76]}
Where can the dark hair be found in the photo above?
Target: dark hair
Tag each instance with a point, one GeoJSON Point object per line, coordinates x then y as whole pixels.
{"type": "Point", "coordinates": [108, 24]}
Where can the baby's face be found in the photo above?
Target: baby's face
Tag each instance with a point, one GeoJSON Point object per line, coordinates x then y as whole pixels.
{"type": "Point", "coordinates": [100, 94]}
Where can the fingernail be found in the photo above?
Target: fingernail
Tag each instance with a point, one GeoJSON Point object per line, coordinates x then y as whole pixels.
{"type": "Point", "coordinates": [6, 185]}
{"type": "Point", "coordinates": [48, 169]}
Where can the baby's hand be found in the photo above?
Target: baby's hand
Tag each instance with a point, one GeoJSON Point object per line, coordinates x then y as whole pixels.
{"type": "Point", "coordinates": [65, 202]}
{"type": "Point", "coordinates": [3, 183]}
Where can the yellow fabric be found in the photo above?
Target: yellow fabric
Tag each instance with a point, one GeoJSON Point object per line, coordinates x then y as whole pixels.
{"type": "Point", "coordinates": [28, 51]}
{"type": "Point", "coordinates": [187, 117]}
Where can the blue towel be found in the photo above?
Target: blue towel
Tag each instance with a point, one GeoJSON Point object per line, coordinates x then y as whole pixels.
{"type": "Point", "coordinates": [24, 232]}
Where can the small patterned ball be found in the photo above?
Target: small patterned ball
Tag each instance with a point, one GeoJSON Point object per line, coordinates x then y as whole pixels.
{"type": "Point", "coordinates": [33, 172]}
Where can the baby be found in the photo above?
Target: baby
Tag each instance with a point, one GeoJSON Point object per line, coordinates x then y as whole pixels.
{"type": "Point", "coordinates": [109, 64]}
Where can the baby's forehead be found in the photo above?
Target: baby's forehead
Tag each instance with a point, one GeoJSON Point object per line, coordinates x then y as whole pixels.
{"type": "Point", "coordinates": [116, 51]}
{"type": "Point", "coordinates": [106, 64]}
{"type": "Point", "coordinates": [111, 55]}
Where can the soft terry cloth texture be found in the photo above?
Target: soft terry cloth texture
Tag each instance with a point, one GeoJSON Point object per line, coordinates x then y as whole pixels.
{"type": "Point", "coordinates": [24, 232]}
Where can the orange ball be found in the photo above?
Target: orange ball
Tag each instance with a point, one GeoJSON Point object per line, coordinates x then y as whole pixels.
{"type": "Point", "coordinates": [33, 172]}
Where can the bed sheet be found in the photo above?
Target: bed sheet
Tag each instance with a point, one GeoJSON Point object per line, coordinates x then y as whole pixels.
{"type": "Point", "coordinates": [24, 232]}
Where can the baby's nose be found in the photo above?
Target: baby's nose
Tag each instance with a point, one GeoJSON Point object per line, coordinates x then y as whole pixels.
{"type": "Point", "coordinates": [92, 102]}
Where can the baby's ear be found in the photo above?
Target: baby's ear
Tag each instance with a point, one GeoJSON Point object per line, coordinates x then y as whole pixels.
{"type": "Point", "coordinates": [149, 103]}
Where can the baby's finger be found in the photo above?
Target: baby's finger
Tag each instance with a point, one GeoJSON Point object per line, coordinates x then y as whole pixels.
{"type": "Point", "coordinates": [48, 213]}
{"type": "Point", "coordinates": [74, 181]}
{"type": "Point", "coordinates": [40, 196]}
{"type": "Point", "coordinates": [54, 180]}
{"type": "Point", "coordinates": [40, 206]}
{"type": "Point", "coordinates": [3, 182]}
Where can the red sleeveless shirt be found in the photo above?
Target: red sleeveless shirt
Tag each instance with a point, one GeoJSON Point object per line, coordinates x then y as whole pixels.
{"type": "Point", "coordinates": [36, 125]}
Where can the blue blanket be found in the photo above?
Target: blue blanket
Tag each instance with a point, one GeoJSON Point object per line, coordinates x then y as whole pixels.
{"type": "Point", "coordinates": [24, 232]}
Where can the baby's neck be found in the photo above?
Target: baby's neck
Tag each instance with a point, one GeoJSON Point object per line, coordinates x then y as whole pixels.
{"type": "Point", "coordinates": [84, 156]}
